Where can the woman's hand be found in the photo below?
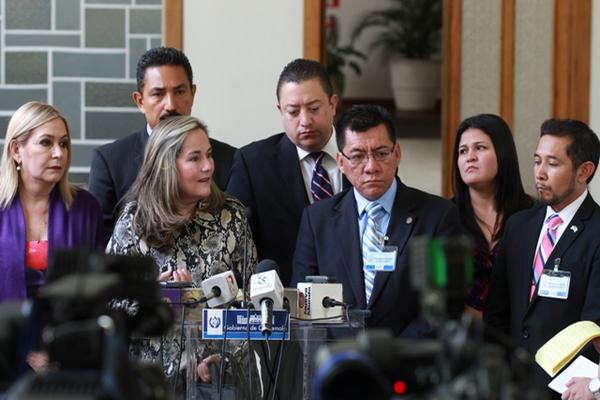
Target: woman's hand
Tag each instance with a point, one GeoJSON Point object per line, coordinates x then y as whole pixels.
{"type": "Point", "coordinates": [203, 369]}
{"type": "Point", "coordinates": [177, 275]}
{"type": "Point", "coordinates": [577, 389]}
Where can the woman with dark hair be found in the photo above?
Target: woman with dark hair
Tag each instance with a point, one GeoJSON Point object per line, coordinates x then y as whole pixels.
{"type": "Point", "coordinates": [487, 190]}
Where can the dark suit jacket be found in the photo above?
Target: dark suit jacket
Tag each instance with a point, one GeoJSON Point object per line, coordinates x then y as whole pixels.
{"type": "Point", "coordinates": [531, 324]}
{"type": "Point", "coordinates": [267, 178]}
{"type": "Point", "coordinates": [116, 165]}
{"type": "Point", "coordinates": [329, 244]}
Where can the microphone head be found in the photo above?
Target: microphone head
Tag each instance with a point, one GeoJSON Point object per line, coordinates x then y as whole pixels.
{"type": "Point", "coordinates": [225, 282]}
{"type": "Point", "coordinates": [267, 265]}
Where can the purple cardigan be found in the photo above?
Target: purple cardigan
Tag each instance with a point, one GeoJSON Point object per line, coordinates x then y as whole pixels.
{"type": "Point", "coordinates": [81, 226]}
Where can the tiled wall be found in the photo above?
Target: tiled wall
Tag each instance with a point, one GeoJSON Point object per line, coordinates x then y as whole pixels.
{"type": "Point", "coordinates": [79, 55]}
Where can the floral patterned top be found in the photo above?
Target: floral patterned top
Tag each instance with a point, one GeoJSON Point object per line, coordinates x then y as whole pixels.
{"type": "Point", "coordinates": [207, 244]}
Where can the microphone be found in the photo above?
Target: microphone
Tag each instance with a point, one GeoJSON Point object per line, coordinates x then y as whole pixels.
{"type": "Point", "coordinates": [266, 292]}
{"type": "Point", "coordinates": [247, 215]}
{"type": "Point", "coordinates": [219, 289]}
{"type": "Point", "coordinates": [320, 301]}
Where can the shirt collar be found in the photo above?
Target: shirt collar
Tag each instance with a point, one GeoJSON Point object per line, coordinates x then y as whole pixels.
{"type": "Point", "coordinates": [567, 213]}
{"type": "Point", "coordinates": [330, 148]}
{"type": "Point", "coordinates": [386, 199]}
{"type": "Point", "coordinates": [148, 129]}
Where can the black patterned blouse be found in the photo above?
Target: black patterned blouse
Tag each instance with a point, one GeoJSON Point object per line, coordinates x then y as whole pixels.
{"type": "Point", "coordinates": [209, 242]}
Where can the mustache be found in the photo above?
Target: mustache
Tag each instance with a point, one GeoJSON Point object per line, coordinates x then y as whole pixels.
{"type": "Point", "coordinates": [169, 114]}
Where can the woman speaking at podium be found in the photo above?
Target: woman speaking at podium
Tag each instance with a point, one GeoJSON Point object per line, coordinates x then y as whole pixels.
{"type": "Point", "coordinates": [177, 215]}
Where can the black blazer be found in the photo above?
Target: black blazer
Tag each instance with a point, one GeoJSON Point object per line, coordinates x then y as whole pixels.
{"type": "Point", "coordinates": [116, 165]}
{"type": "Point", "coordinates": [329, 244]}
{"type": "Point", "coordinates": [531, 324]}
{"type": "Point", "coordinates": [267, 178]}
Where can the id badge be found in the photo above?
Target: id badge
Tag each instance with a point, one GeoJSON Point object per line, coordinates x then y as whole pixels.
{"type": "Point", "coordinates": [381, 260]}
{"type": "Point", "coordinates": [554, 284]}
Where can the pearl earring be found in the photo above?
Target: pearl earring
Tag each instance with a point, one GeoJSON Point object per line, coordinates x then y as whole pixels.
{"type": "Point", "coordinates": [18, 166]}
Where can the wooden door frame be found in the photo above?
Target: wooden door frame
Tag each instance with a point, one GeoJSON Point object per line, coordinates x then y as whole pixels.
{"type": "Point", "coordinates": [314, 27]}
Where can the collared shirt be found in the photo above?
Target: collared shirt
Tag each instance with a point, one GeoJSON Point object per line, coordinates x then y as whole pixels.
{"type": "Point", "coordinates": [566, 214]}
{"type": "Point", "coordinates": [387, 202]}
{"type": "Point", "coordinates": [307, 165]}
{"type": "Point", "coordinates": [148, 129]}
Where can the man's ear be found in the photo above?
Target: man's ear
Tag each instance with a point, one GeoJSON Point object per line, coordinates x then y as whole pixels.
{"type": "Point", "coordinates": [138, 99]}
{"type": "Point", "coordinates": [584, 171]}
{"type": "Point", "coordinates": [339, 159]}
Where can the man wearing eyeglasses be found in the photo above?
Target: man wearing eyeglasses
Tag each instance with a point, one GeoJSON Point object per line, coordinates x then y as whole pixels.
{"type": "Point", "coordinates": [277, 177]}
{"type": "Point", "coordinates": [361, 235]}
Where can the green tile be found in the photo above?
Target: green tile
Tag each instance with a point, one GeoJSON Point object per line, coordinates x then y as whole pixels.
{"type": "Point", "coordinates": [105, 28]}
{"type": "Point", "coordinates": [26, 67]}
{"type": "Point", "coordinates": [144, 21]}
{"type": "Point", "coordinates": [103, 94]}
{"type": "Point", "coordinates": [28, 14]}
{"type": "Point", "coordinates": [67, 14]}
{"type": "Point", "coordinates": [50, 40]}
{"type": "Point", "coordinates": [137, 47]}
{"type": "Point", "coordinates": [67, 98]}
{"type": "Point", "coordinates": [112, 125]}
{"type": "Point", "coordinates": [105, 65]}
{"type": "Point", "coordinates": [11, 99]}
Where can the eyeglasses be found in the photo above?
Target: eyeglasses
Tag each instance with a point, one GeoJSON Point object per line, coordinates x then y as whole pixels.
{"type": "Point", "coordinates": [381, 155]}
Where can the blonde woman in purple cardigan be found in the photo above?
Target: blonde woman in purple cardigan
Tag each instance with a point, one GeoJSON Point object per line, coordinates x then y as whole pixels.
{"type": "Point", "coordinates": [40, 210]}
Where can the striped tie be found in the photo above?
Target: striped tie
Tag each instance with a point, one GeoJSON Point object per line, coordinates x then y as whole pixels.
{"type": "Point", "coordinates": [544, 250]}
{"type": "Point", "coordinates": [372, 241]}
{"type": "Point", "coordinates": [320, 185]}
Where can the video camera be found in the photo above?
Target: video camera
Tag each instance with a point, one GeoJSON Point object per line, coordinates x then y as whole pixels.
{"type": "Point", "coordinates": [457, 364]}
{"type": "Point", "coordinates": [91, 305]}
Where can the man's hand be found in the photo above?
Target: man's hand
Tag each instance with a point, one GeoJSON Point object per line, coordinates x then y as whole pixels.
{"type": "Point", "coordinates": [577, 389]}
{"type": "Point", "coordinates": [203, 369]}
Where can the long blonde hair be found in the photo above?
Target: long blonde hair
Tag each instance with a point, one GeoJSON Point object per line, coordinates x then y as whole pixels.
{"type": "Point", "coordinates": [28, 117]}
{"type": "Point", "coordinates": [156, 190]}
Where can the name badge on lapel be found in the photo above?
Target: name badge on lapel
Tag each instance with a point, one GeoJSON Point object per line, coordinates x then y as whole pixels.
{"type": "Point", "coordinates": [381, 260]}
{"type": "Point", "coordinates": [554, 283]}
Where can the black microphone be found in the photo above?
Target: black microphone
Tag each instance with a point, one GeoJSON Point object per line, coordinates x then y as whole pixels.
{"type": "Point", "coordinates": [247, 215]}
{"type": "Point", "coordinates": [328, 302]}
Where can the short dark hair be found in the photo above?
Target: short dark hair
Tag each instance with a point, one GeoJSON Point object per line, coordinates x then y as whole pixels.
{"type": "Point", "coordinates": [301, 70]}
{"type": "Point", "coordinates": [510, 195]}
{"type": "Point", "coordinates": [361, 118]}
{"type": "Point", "coordinates": [158, 57]}
{"type": "Point", "coordinates": [584, 146]}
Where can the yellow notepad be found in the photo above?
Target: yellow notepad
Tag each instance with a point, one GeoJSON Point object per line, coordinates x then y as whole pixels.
{"type": "Point", "coordinates": [565, 345]}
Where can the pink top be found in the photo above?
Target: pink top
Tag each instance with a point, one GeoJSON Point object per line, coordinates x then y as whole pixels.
{"type": "Point", "coordinates": [36, 254]}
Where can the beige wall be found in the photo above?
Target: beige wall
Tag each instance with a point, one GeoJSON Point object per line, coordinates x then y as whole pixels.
{"type": "Point", "coordinates": [533, 79]}
{"type": "Point", "coordinates": [480, 69]}
{"type": "Point", "coordinates": [237, 49]}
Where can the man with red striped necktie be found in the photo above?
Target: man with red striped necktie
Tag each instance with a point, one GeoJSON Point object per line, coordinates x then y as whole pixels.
{"type": "Point", "coordinates": [547, 273]}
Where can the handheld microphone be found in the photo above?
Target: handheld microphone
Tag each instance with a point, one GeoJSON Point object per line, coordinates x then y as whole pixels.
{"type": "Point", "coordinates": [219, 289]}
{"type": "Point", "coordinates": [266, 292]}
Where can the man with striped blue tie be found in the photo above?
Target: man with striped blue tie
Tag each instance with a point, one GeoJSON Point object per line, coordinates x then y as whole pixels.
{"type": "Point", "coordinates": [361, 235]}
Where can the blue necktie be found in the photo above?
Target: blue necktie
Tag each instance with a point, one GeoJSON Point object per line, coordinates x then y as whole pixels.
{"type": "Point", "coordinates": [372, 241]}
{"type": "Point", "coordinates": [320, 185]}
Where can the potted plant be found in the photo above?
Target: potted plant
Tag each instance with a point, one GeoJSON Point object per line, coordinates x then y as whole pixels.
{"type": "Point", "coordinates": [409, 34]}
{"type": "Point", "coordinates": [338, 57]}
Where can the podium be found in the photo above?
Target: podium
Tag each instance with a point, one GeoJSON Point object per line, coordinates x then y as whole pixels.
{"type": "Point", "coordinates": [252, 367]}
